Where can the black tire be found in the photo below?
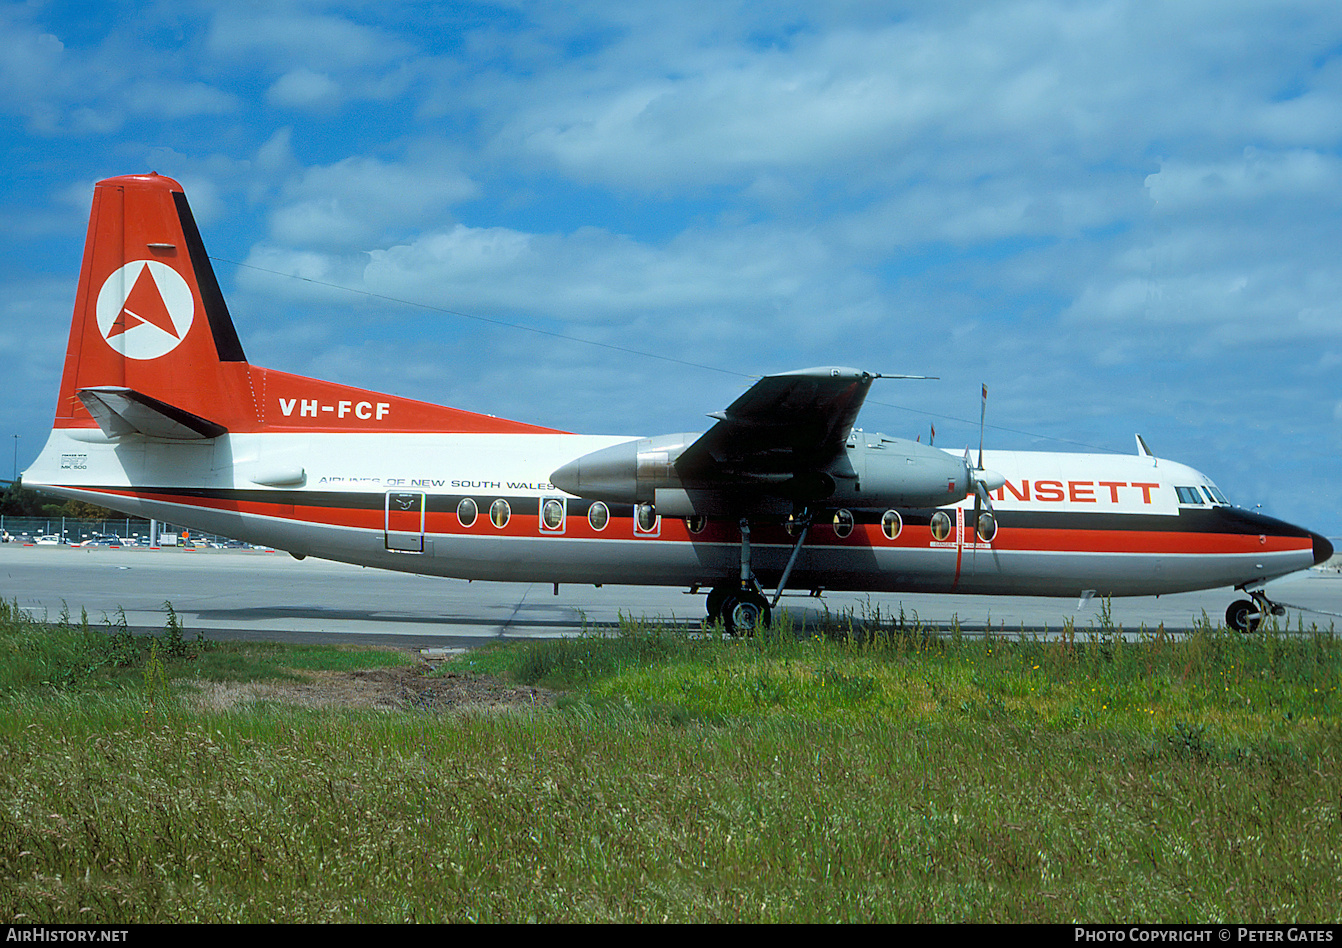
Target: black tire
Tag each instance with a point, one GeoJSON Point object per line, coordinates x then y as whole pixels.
{"type": "Point", "coordinates": [744, 612]}
{"type": "Point", "coordinates": [1241, 616]}
{"type": "Point", "coordinates": [716, 598]}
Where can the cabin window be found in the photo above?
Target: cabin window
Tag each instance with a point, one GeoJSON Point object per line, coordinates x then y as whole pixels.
{"type": "Point", "coordinates": [892, 525]}
{"type": "Point", "coordinates": [941, 525]}
{"type": "Point", "coordinates": [795, 526]}
{"type": "Point", "coordinates": [696, 524]}
{"type": "Point", "coordinates": [647, 517]}
{"type": "Point", "coordinates": [500, 513]}
{"type": "Point", "coordinates": [467, 512]}
{"type": "Point", "coordinates": [598, 515]}
{"type": "Point", "coordinates": [843, 523]}
{"type": "Point", "coordinates": [552, 514]}
{"type": "Point", "coordinates": [987, 527]}
{"type": "Point", "coordinates": [1189, 495]}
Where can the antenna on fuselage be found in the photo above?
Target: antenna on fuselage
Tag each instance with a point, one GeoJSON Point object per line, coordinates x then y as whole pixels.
{"type": "Point", "coordinates": [1146, 452]}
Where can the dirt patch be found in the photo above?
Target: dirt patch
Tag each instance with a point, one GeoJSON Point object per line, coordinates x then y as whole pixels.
{"type": "Point", "coordinates": [400, 688]}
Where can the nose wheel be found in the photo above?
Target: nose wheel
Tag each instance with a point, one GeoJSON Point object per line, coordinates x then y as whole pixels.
{"type": "Point", "coordinates": [1248, 615]}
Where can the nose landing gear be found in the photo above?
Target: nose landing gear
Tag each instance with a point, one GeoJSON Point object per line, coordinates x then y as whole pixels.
{"type": "Point", "coordinates": [1248, 616]}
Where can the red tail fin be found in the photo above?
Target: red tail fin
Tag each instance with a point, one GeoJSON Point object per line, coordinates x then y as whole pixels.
{"type": "Point", "coordinates": [153, 348]}
{"type": "Point", "coordinates": [149, 316]}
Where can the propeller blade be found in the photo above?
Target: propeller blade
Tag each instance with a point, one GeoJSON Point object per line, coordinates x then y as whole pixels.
{"type": "Point", "coordinates": [983, 415]}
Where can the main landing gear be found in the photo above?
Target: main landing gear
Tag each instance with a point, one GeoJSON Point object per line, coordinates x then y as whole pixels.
{"type": "Point", "coordinates": [742, 607]}
{"type": "Point", "coordinates": [1248, 616]}
{"type": "Point", "coordinates": [740, 610]}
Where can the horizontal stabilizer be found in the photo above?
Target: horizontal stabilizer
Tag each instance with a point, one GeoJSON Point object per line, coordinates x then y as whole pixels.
{"type": "Point", "coordinates": [122, 411]}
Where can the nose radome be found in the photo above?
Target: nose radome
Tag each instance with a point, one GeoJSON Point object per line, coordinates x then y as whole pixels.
{"type": "Point", "coordinates": [1323, 550]}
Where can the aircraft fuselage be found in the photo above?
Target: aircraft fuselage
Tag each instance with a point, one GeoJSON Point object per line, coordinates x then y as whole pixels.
{"type": "Point", "coordinates": [473, 506]}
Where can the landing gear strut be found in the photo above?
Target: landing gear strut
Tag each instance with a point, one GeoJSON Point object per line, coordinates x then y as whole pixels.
{"type": "Point", "coordinates": [1248, 616]}
{"type": "Point", "coordinates": [741, 607]}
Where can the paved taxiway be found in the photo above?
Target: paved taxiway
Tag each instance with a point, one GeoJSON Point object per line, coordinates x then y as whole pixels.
{"type": "Point", "coordinates": [229, 594]}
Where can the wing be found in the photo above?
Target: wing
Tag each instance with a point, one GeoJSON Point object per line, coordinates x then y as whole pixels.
{"type": "Point", "coordinates": [786, 423]}
{"type": "Point", "coordinates": [784, 442]}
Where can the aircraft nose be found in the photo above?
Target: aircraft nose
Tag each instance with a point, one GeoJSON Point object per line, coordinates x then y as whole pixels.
{"type": "Point", "coordinates": [1323, 550]}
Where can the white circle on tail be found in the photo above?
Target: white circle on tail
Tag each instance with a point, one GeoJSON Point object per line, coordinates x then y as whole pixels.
{"type": "Point", "coordinates": [145, 309]}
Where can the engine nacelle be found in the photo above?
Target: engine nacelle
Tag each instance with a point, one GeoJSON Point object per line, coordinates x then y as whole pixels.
{"type": "Point", "coordinates": [896, 472]}
{"type": "Point", "coordinates": [644, 472]}
{"type": "Point", "coordinates": [874, 471]}
{"type": "Point", "coordinates": [628, 473]}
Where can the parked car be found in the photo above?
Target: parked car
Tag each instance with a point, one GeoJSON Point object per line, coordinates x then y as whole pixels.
{"type": "Point", "coordinates": [109, 541]}
{"type": "Point", "coordinates": [50, 539]}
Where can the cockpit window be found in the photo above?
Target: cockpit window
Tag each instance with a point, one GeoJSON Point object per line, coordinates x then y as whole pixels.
{"type": "Point", "coordinates": [1215, 494]}
{"type": "Point", "coordinates": [1188, 495]}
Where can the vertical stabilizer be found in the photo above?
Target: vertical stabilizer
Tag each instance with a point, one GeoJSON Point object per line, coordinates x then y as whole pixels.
{"type": "Point", "coordinates": [153, 351]}
{"type": "Point", "coordinates": [149, 316]}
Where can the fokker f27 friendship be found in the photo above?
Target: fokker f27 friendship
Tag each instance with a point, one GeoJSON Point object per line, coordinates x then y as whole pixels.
{"type": "Point", "coordinates": [160, 415]}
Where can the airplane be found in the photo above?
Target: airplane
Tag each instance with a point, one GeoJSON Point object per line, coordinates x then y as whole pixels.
{"type": "Point", "coordinates": [160, 415]}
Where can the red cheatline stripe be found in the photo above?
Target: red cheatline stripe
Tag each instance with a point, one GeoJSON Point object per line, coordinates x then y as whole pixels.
{"type": "Point", "coordinates": [1142, 541]}
{"type": "Point", "coordinates": [523, 523]}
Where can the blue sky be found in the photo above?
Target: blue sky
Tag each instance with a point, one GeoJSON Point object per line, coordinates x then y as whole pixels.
{"type": "Point", "coordinates": [1122, 216]}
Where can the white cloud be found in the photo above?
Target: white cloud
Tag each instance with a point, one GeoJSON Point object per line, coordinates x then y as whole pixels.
{"type": "Point", "coordinates": [732, 116]}
{"type": "Point", "coordinates": [862, 100]}
{"type": "Point", "coordinates": [32, 74]}
{"type": "Point", "coordinates": [1255, 176]}
{"type": "Point", "coordinates": [279, 273]}
{"type": "Point", "coordinates": [754, 280]}
{"type": "Point", "coordinates": [170, 99]}
{"type": "Point", "coordinates": [364, 202]}
{"type": "Point", "coordinates": [294, 38]}
{"type": "Point", "coordinates": [304, 89]}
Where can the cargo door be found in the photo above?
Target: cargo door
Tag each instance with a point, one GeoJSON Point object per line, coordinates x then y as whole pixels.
{"type": "Point", "coordinates": [405, 521]}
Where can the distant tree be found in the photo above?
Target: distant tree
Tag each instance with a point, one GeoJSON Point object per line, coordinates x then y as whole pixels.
{"type": "Point", "coordinates": [19, 501]}
{"type": "Point", "coordinates": [82, 510]}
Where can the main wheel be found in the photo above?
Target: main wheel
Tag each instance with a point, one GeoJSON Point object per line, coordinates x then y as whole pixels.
{"type": "Point", "coordinates": [744, 612]}
{"type": "Point", "coordinates": [1243, 616]}
{"type": "Point", "coordinates": [716, 598]}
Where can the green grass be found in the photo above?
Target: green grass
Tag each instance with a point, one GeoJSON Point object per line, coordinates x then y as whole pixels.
{"type": "Point", "coordinates": [868, 773]}
{"type": "Point", "coordinates": [1237, 685]}
{"type": "Point", "coordinates": [253, 661]}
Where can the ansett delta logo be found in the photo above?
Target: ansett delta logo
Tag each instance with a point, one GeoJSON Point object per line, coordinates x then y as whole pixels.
{"type": "Point", "coordinates": [145, 309]}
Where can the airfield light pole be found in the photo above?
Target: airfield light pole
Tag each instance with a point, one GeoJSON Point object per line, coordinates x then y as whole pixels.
{"type": "Point", "coordinates": [16, 457]}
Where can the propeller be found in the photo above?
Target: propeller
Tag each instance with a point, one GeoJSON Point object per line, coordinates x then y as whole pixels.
{"type": "Point", "coordinates": [983, 416]}
{"type": "Point", "coordinates": [982, 480]}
